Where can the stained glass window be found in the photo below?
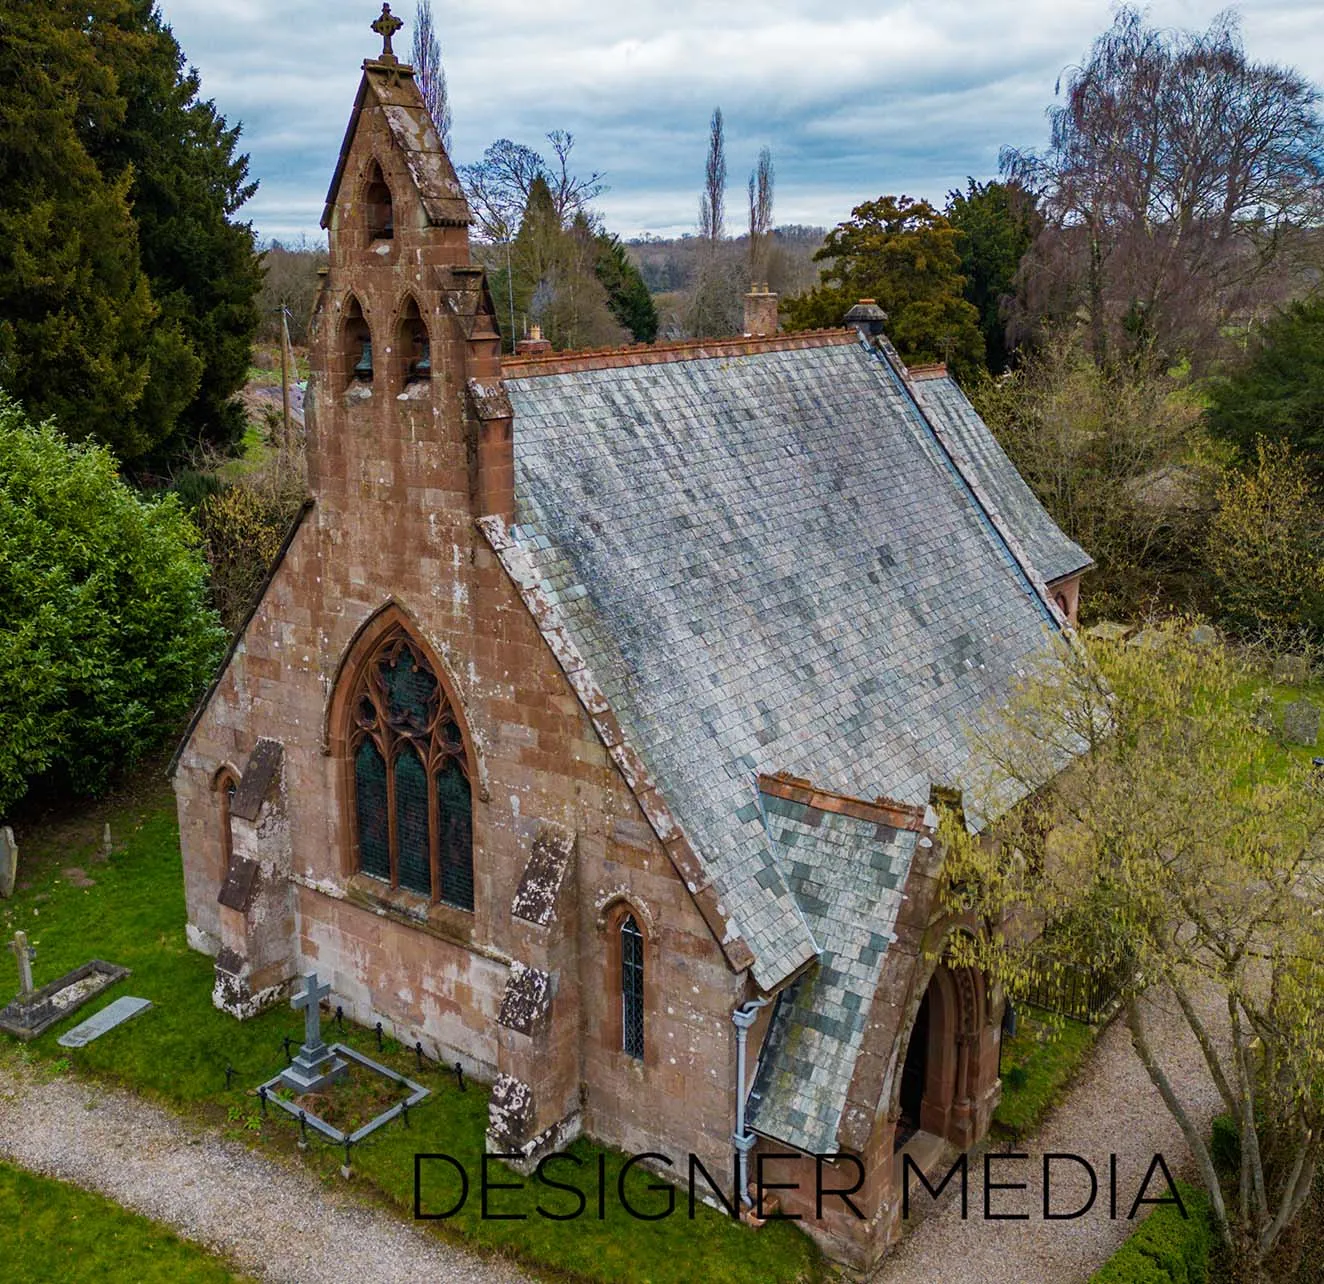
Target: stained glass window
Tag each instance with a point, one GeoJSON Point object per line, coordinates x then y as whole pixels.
{"type": "Point", "coordinates": [411, 823]}
{"type": "Point", "coordinates": [632, 988]}
{"type": "Point", "coordinates": [413, 820]}
{"type": "Point", "coordinates": [370, 804]}
{"type": "Point", "coordinates": [454, 806]}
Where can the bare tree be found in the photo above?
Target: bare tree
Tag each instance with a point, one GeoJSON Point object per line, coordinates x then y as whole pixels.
{"type": "Point", "coordinates": [712, 204]}
{"type": "Point", "coordinates": [498, 186]}
{"type": "Point", "coordinates": [571, 193]}
{"type": "Point", "coordinates": [1176, 173]}
{"type": "Point", "coordinates": [430, 73]}
{"type": "Point", "coordinates": [760, 216]}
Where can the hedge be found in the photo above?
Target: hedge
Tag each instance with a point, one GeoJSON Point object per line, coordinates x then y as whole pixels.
{"type": "Point", "coordinates": [1166, 1248]}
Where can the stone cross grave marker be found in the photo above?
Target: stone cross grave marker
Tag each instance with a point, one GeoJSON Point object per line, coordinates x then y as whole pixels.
{"type": "Point", "coordinates": [310, 1000]}
{"type": "Point", "coordinates": [8, 861]}
{"type": "Point", "coordinates": [1301, 723]}
{"type": "Point", "coordinates": [23, 953]}
{"type": "Point", "coordinates": [316, 1066]}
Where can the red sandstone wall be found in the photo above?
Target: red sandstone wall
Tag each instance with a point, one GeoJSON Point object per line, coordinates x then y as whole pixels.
{"type": "Point", "coordinates": [393, 520]}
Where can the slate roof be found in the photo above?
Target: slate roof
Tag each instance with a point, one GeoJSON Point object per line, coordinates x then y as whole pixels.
{"type": "Point", "coordinates": [847, 874]}
{"type": "Point", "coordinates": [771, 565]}
{"type": "Point", "coordinates": [1051, 552]}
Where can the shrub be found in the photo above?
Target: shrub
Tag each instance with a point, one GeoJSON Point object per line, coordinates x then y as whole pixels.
{"type": "Point", "coordinates": [1113, 458]}
{"type": "Point", "coordinates": [106, 638]}
{"type": "Point", "coordinates": [1166, 1248]}
{"type": "Point", "coordinates": [1264, 548]}
{"type": "Point", "coordinates": [243, 526]}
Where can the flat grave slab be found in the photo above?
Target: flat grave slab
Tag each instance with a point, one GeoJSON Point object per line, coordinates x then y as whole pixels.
{"type": "Point", "coordinates": [108, 1018]}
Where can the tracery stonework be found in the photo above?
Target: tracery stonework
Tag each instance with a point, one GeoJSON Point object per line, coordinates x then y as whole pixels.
{"type": "Point", "coordinates": [412, 800]}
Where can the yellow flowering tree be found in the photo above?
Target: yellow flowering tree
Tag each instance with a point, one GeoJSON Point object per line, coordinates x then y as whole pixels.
{"type": "Point", "coordinates": [1183, 850]}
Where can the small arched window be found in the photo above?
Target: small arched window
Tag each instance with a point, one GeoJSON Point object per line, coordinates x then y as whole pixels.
{"type": "Point", "coordinates": [378, 207]}
{"type": "Point", "coordinates": [413, 805]}
{"type": "Point", "coordinates": [356, 344]}
{"type": "Point", "coordinates": [632, 988]}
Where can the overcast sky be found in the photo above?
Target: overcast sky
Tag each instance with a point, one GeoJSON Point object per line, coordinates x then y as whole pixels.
{"type": "Point", "coordinates": [855, 101]}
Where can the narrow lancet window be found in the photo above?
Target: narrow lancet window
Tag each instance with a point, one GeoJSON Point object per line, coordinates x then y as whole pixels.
{"type": "Point", "coordinates": [632, 988]}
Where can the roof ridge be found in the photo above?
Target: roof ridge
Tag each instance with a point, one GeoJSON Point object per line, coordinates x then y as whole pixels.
{"type": "Point", "coordinates": [642, 354]}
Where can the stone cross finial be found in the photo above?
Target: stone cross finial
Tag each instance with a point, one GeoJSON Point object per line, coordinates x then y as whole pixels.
{"type": "Point", "coordinates": [310, 1001]}
{"type": "Point", "coordinates": [23, 953]}
{"type": "Point", "coordinates": [386, 26]}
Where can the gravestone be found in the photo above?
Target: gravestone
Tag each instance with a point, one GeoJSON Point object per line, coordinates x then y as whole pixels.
{"type": "Point", "coordinates": [23, 953]}
{"type": "Point", "coordinates": [1301, 723]}
{"type": "Point", "coordinates": [1291, 669]}
{"type": "Point", "coordinates": [1110, 631]}
{"type": "Point", "coordinates": [33, 1012]}
{"type": "Point", "coordinates": [8, 861]}
{"type": "Point", "coordinates": [1262, 714]}
{"type": "Point", "coordinates": [108, 1018]}
{"type": "Point", "coordinates": [316, 1066]}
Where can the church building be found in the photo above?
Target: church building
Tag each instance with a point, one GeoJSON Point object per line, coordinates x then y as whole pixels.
{"type": "Point", "coordinates": [590, 725]}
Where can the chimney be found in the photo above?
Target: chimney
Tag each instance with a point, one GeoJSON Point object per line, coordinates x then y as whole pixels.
{"type": "Point", "coordinates": [760, 311]}
{"type": "Point", "coordinates": [533, 343]}
{"type": "Point", "coordinates": [867, 317]}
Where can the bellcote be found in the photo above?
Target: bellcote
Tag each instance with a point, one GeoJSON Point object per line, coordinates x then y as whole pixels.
{"type": "Point", "coordinates": [421, 165]}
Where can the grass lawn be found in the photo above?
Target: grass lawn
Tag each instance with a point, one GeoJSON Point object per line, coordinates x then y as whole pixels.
{"type": "Point", "coordinates": [52, 1231]}
{"type": "Point", "coordinates": [1282, 696]}
{"type": "Point", "coordinates": [178, 1052]}
{"type": "Point", "coordinates": [1036, 1067]}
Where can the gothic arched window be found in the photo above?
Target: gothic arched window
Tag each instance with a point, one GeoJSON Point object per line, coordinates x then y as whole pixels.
{"type": "Point", "coordinates": [632, 988]}
{"type": "Point", "coordinates": [412, 802]}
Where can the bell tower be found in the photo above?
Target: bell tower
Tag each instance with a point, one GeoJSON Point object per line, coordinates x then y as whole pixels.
{"type": "Point", "coordinates": [404, 397]}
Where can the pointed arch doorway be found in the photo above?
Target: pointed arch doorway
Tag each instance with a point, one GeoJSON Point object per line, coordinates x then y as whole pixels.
{"type": "Point", "coordinates": [944, 1072]}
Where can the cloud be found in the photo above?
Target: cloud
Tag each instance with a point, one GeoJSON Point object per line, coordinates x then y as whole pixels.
{"type": "Point", "coordinates": [898, 96]}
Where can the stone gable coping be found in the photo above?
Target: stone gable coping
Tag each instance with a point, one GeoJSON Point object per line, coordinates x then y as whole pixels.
{"type": "Point", "coordinates": [677, 846]}
{"type": "Point", "coordinates": [240, 635]}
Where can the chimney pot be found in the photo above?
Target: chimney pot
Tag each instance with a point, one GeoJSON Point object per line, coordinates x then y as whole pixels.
{"type": "Point", "coordinates": [533, 343]}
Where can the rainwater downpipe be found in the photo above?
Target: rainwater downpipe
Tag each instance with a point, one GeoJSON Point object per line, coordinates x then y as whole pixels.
{"type": "Point", "coordinates": [743, 1140]}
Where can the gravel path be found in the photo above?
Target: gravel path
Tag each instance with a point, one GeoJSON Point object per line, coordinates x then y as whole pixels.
{"type": "Point", "coordinates": [1112, 1108]}
{"type": "Point", "coordinates": [272, 1219]}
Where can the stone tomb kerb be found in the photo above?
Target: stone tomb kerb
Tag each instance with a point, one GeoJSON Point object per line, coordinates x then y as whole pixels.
{"type": "Point", "coordinates": [409, 443]}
